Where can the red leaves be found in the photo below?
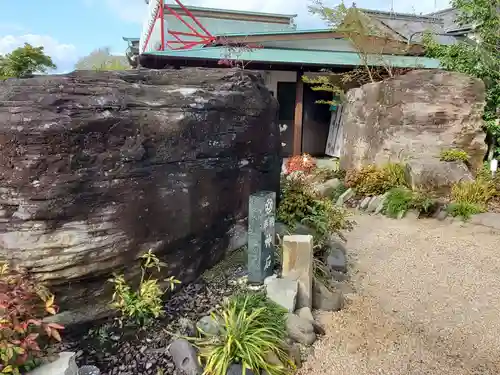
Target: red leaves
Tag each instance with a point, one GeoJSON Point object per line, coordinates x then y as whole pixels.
{"type": "Point", "coordinates": [23, 305]}
{"type": "Point", "coordinates": [303, 163]}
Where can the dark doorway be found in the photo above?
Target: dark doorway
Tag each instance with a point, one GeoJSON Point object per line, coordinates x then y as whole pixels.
{"type": "Point", "coordinates": [316, 121]}
{"type": "Point", "coordinates": [286, 97]}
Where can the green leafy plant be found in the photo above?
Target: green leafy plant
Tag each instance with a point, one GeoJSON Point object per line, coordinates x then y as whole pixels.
{"type": "Point", "coordinates": [248, 337]}
{"type": "Point", "coordinates": [144, 304]}
{"type": "Point", "coordinates": [372, 180]}
{"type": "Point", "coordinates": [298, 204]}
{"type": "Point", "coordinates": [250, 301]}
{"type": "Point", "coordinates": [465, 210]}
{"type": "Point", "coordinates": [23, 305]}
{"type": "Point", "coordinates": [477, 192]}
{"type": "Point", "coordinates": [322, 174]}
{"type": "Point", "coordinates": [398, 200]}
{"type": "Point", "coordinates": [422, 202]}
{"type": "Point", "coordinates": [454, 155]}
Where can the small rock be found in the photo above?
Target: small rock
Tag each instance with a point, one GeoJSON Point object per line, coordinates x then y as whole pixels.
{"type": "Point", "coordinates": [338, 276]}
{"type": "Point", "coordinates": [325, 299]}
{"type": "Point", "coordinates": [336, 261]}
{"type": "Point", "coordinates": [237, 369]}
{"type": "Point", "coordinates": [346, 195]}
{"type": "Point", "coordinates": [328, 187]}
{"type": "Point", "coordinates": [335, 244]}
{"type": "Point", "coordinates": [273, 359]}
{"type": "Point", "coordinates": [185, 358]}
{"type": "Point", "coordinates": [65, 364]}
{"type": "Point", "coordinates": [441, 214]}
{"type": "Point", "coordinates": [300, 330]}
{"type": "Point", "coordinates": [283, 292]}
{"type": "Point", "coordinates": [374, 203]}
{"type": "Point", "coordinates": [293, 351]}
{"type": "Point", "coordinates": [342, 286]}
{"type": "Point", "coordinates": [364, 203]}
{"type": "Point", "coordinates": [380, 205]}
{"type": "Point", "coordinates": [208, 326]}
{"type": "Point", "coordinates": [305, 313]}
{"type": "Point", "coordinates": [187, 327]}
{"type": "Point", "coordinates": [89, 370]}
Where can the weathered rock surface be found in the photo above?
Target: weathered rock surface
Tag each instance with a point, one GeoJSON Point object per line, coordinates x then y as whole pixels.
{"type": "Point", "coordinates": [325, 299]}
{"type": "Point", "coordinates": [419, 113]}
{"type": "Point", "coordinates": [300, 330]}
{"type": "Point", "coordinates": [432, 174]}
{"type": "Point", "coordinates": [185, 357]}
{"type": "Point", "coordinates": [98, 167]}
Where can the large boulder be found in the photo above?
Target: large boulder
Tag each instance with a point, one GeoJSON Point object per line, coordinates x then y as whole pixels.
{"type": "Point", "coordinates": [413, 115]}
{"type": "Point", "coordinates": [98, 167]}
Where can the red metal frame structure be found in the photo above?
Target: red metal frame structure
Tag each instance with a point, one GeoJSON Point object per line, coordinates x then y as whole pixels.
{"type": "Point", "coordinates": [203, 38]}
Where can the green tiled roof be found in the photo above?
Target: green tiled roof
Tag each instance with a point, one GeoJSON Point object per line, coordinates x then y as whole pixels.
{"type": "Point", "coordinates": [302, 57]}
{"type": "Point", "coordinates": [284, 32]}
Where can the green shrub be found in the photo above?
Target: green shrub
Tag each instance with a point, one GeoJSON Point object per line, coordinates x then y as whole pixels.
{"type": "Point", "coordinates": [372, 180]}
{"type": "Point", "coordinates": [477, 192]}
{"type": "Point", "coordinates": [247, 336]}
{"type": "Point", "coordinates": [423, 202]}
{"type": "Point", "coordinates": [398, 200]}
{"type": "Point", "coordinates": [454, 155]}
{"type": "Point", "coordinates": [337, 192]}
{"type": "Point", "coordinates": [464, 209]}
{"type": "Point", "coordinates": [299, 204]}
{"type": "Point", "coordinates": [144, 304]}
{"type": "Point", "coordinates": [324, 174]}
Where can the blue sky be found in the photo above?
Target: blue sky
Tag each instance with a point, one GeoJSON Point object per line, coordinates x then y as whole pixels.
{"type": "Point", "coordinates": [70, 29]}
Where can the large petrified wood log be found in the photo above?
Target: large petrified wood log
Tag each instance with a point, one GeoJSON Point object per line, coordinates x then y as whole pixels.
{"type": "Point", "coordinates": [98, 167]}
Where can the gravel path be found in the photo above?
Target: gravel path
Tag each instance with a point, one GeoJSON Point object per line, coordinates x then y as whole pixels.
{"type": "Point", "coordinates": [427, 302]}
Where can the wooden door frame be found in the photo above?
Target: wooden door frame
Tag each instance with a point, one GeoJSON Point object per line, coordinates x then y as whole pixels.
{"type": "Point", "coordinates": [299, 114]}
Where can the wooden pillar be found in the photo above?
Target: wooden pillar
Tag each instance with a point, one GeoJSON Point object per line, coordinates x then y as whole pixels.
{"type": "Point", "coordinates": [297, 119]}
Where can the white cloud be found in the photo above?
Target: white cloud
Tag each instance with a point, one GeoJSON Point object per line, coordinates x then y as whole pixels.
{"type": "Point", "coordinates": [63, 55]}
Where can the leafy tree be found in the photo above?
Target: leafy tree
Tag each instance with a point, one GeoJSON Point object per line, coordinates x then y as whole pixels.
{"type": "Point", "coordinates": [479, 57]}
{"type": "Point", "coordinates": [370, 42]}
{"type": "Point", "coordinates": [102, 59]}
{"type": "Point", "coordinates": [25, 61]}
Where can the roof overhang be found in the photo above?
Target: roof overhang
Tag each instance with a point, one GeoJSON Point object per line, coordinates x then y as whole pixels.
{"type": "Point", "coordinates": [298, 57]}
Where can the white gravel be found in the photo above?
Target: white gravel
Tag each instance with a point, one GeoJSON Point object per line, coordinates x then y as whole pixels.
{"type": "Point", "coordinates": [427, 302]}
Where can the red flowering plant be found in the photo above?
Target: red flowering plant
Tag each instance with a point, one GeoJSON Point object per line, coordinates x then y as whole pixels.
{"type": "Point", "coordinates": [23, 305]}
{"type": "Point", "coordinates": [304, 163]}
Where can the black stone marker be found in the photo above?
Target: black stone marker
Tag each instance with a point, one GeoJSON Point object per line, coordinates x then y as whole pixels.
{"type": "Point", "coordinates": [261, 235]}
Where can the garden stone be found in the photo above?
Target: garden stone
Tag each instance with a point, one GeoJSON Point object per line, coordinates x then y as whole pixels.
{"type": "Point", "coordinates": [344, 287]}
{"type": "Point", "coordinates": [294, 354]}
{"type": "Point", "coordinates": [327, 188]}
{"type": "Point", "coordinates": [305, 313]}
{"type": "Point", "coordinates": [89, 370]}
{"type": "Point", "coordinates": [208, 326]}
{"type": "Point", "coordinates": [346, 195]}
{"type": "Point", "coordinates": [364, 203]}
{"type": "Point", "coordinates": [298, 264]}
{"type": "Point", "coordinates": [336, 261]}
{"type": "Point", "coordinates": [374, 203]}
{"type": "Point", "coordinates": [65, 364]}
{"type": "Point", "coordinates": [185, 357]}
{"type": "Point", "coordinates": [338, 276]}
{"type": "Point", "coordinates": [300, 330]}
{"type": "Point", "coordinates": [237, 369]}
{"type": "Point", "coordinates": [334, 244]}
{"type": "Point", "coordinates": [272, 359]}
{"type": "Point", "coordinates": [187, 327]}
{"type": "Point", "coordinates": [441, 214]}
{"type": "Point", "coordinates": [325, 299]}
{"type": "Point", "coordinates": [381, 203]}
{"type": "Point", "coordinates": [283, 292]}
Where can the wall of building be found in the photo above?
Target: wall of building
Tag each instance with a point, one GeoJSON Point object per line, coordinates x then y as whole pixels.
{"type": "Point", "coordinates": [272, 77]}
{"type": "Point", "coordinates": [313, 44]}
